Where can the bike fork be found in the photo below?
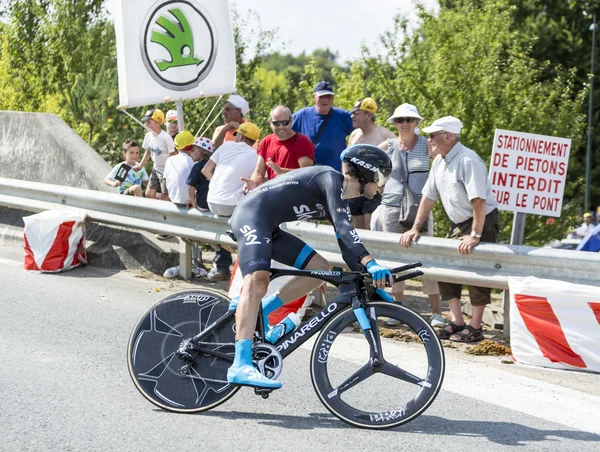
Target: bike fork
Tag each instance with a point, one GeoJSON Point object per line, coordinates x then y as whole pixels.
{"type": "Point", "coordinates": [371, 332]}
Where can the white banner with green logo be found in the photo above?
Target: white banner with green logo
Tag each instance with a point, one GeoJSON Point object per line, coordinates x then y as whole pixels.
{"type": "Point", "coordinates": [173, 50]}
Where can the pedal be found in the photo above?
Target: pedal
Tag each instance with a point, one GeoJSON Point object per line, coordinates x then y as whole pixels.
{"type": "Point", "coordinates": [264, 393]}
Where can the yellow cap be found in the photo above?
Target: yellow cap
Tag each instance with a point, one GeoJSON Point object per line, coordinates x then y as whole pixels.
{"type": "Point", "coordinates": [155, 114]}
{"type": "Point", "coordinates": [587, 215]}
{"type": "Point", "coordinates": [183, 140]}
{"type": "Point", "coordinates": [366, 104]}
{"type": "Point", "coordinates": [249, 130]}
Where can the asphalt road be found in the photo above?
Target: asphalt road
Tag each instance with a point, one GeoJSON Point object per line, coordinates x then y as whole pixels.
{"type": "Point", "coordinates": [64, 386]}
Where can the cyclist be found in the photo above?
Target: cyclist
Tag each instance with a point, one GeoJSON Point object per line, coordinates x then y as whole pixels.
{"type": "Point", "coordinates": [317, 192]}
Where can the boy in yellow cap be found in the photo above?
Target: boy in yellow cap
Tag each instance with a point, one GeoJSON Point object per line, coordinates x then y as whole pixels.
{"type": "Point", "coordinates": [158, 145]}
{"type": "Point", "coordinates": [178, 168]}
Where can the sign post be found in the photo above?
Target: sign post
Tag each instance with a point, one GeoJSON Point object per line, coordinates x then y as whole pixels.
{"type": "Point", "coordinates": [528, 174]}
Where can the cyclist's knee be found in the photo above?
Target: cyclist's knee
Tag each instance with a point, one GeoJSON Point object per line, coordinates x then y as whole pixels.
{"type": "Point", "coordinates": [256, 283]}
{"type": "Point", "coordinates": [318, 262]}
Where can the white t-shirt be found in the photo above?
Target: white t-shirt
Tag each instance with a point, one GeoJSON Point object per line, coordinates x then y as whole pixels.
{"type": "Point", "coordinates": [233, 160]}
{"type": "Point", "coordinates": [177, 171]}
{"type": "Point", "coordinates": [161, 146]}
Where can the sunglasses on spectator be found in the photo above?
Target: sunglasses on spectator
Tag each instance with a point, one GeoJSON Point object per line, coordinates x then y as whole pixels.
{"type": "Point", "coordinates": [285, 122]}
{"type": "Point", "coordinates": [171, 121]}
{"type": "Point", "coordinates": [401, 120]}
{"type": "Point", "coordinates": [433, 135]}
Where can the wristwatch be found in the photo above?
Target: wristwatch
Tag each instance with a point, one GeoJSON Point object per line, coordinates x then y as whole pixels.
{"type": "Point", "coordinates": [474, 234]}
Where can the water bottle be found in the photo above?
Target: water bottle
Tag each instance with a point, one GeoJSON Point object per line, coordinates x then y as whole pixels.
{"type": "Point", "coordinates": [172, 272]}
{"type": "Point", "coordinates": [281, 329]}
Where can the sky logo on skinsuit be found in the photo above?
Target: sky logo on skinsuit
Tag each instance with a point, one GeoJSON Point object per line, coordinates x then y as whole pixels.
{"type": "Point", "coordinates": [178, 43]}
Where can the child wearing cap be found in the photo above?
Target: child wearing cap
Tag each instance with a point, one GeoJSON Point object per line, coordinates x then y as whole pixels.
{"type": "Point", "coordinates": [123, 176]}
{"type": "Point", "coordinates": [171, 122]}
{"type": "Point", "coordinates": [178, 168]}
{"type": "Point", "coordinates": [202, 149]}
{"type": "Point", "coordinates": [159, 146]}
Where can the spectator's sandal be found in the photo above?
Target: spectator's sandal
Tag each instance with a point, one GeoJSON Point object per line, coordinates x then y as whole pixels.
{"type": "Point", "coordinates": [443, 333]}
{"type": "Point", "coordinates": [474, 335]}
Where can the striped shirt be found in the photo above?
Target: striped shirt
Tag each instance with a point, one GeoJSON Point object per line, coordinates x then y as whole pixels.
{"type": "Point", "coordinates": [417, 162]}
{"type": "Point", "coordinates": [457, 179]}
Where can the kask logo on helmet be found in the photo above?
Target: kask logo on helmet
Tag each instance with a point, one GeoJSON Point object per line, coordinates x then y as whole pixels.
{"type": "Point", "coordinates": [363, 164]}
{"type": "Point", "coordinates": [178, 44]}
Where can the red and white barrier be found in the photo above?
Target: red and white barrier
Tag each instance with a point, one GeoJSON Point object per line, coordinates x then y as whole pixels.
{"type": "Point", "coordinates": [55, 240]}
{"type": "Point", "coordinates": [555, 324]}
{"type": "Point", "coordinates": [297, 306]}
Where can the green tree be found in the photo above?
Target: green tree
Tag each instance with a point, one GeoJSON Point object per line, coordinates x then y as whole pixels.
{"type": "Point", "coordinates": [469, 62]}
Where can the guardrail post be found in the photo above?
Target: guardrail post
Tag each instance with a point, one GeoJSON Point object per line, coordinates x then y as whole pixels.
{"type": "Point", "coordinates": [185, 259]}
{"type": "Point", "coordinates": [506, 309]}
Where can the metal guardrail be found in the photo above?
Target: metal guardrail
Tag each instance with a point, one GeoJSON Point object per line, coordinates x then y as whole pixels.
{"type": "Point", "coordinates": [490, 265]}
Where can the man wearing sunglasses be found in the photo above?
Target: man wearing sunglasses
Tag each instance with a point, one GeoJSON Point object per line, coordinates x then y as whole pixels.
{"type": "Point", "coordinates": [171, 123]}
{"type": "Point", "coordinates": [282, 151]}
{"type": "Point", "coordinates": [459, 178]}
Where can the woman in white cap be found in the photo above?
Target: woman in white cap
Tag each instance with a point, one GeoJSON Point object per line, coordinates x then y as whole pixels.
{"type": "Point", "coordinates": [410, 162]}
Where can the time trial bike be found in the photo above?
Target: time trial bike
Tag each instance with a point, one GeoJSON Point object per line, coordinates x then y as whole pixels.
{"type": "Point", "coordinates": [181, 348]}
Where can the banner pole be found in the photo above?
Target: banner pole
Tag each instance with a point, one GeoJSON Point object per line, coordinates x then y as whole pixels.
{"type": "Point", "coordinates": [208, 116]}
{"type": "Point", "coordinates": [516, 238]}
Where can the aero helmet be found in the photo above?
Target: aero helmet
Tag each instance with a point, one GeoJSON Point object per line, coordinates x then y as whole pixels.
{"type": "Point", "coordinates": [368, 163]}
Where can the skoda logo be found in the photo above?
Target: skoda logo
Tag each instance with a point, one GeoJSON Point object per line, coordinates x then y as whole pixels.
{"type": "Point", "coordinates": [178, 43]}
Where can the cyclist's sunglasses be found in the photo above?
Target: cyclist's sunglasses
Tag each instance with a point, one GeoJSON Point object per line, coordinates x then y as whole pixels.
{"type": "Point", "coordinates": [401, 120]}
{"type": "Point", "coordinates": [285, 123]}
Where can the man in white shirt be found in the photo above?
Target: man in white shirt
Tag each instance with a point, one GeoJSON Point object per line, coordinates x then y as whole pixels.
{"type": "Point", "coordinates": [232, 162]}
{"type": "Point", "coordinates": [158, 145]}
{"type": "Point", "coordinates": [228, 164]}
{"type": "Point", "coordinates": [178, 168]}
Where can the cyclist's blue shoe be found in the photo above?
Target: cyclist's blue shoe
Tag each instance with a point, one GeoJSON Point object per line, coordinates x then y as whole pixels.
{"type": "Point", "coordinates": [242, 372]}
{"type": "Point", "coordinates": [233, 303]}
{"type": "Point", "coordinates": [276, 332]}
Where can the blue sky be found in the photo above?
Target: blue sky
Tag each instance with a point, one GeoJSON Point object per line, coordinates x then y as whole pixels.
{"type": "Point", "coordinates": [341, 25]}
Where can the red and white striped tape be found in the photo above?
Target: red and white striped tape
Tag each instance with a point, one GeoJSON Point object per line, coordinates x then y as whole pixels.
{"type": "Point", "coordinates": [297, 306]}
{"type": "Point", "coordinates": [555, 323]}
{"type": "Point", "coordinates": [55, 240]}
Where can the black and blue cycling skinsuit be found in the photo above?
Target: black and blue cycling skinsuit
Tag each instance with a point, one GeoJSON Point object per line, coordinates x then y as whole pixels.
{"type": "Point", "coordinates": [307, 193]}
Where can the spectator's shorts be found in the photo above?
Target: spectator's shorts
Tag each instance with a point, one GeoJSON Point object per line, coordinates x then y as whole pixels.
{"type": "Point", "coordinates": [158, 182]}
{"type": "Point", "coordinates": [479, 296]}
{"type": "Point", "coordinates": [362, 204]}
{"type": "Point", "coordinates": [128, 191]}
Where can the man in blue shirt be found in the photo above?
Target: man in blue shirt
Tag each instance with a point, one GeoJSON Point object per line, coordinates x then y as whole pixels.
{"type": "Point", "coordinates": [326, 126]}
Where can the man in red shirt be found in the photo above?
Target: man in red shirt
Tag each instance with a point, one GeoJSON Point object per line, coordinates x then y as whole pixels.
{"type": "Point", "coordinates": [282, 151]}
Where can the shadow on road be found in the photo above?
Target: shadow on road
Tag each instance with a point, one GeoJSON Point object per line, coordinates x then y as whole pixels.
{"type": "Point", "coordinates": [505, 433]}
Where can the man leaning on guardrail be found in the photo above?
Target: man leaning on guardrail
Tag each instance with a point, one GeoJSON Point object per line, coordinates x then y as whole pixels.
{"type": "Point", "coordinates": [459, 177]}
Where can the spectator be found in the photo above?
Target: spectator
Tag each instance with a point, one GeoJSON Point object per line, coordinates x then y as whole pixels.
{"type": "Point", "coordinates": [325, 125]}
{"type": "Point", "coordinates": [202, 149]}
{"type": "Point", "coordinates": [410, 160]}
{"type": "Point", "coordinates": [171, 122]}
{"type": "Point", "coordinates": [130, 182]}
{"type": "Point", "coordinates": [366, 132]}
{"type": "Point", "coordinates": [459, 177]}
{"type": "Point", "coordinates": [178, 168]}
{"type": "Point", "coordinates": [234, 111]}
{"type": "Point", "coordinates": [587, 225]}
{"type": "Point", "coordinates": [284, 150]}
{"type": "Point", "coordinates": [230, 163]}
{"type": "Point", "coordinates": [158, 145]}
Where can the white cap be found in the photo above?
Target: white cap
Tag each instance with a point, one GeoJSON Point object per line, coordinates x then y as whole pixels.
{"type": "Point", "coordinates": [204, 143]}
{"type": "Point", "coordinates": [447, 124]}
{"type": "Point", "coordinates": [405, 111]}
{"type": "Point", "coordinates": [171, 115]}
{"type": "Point", "coordinates": [239, 102]}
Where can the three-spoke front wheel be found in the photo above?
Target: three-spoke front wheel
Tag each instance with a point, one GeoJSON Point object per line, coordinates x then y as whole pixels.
{"type": "Point", "coordinates": [377, 395]}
